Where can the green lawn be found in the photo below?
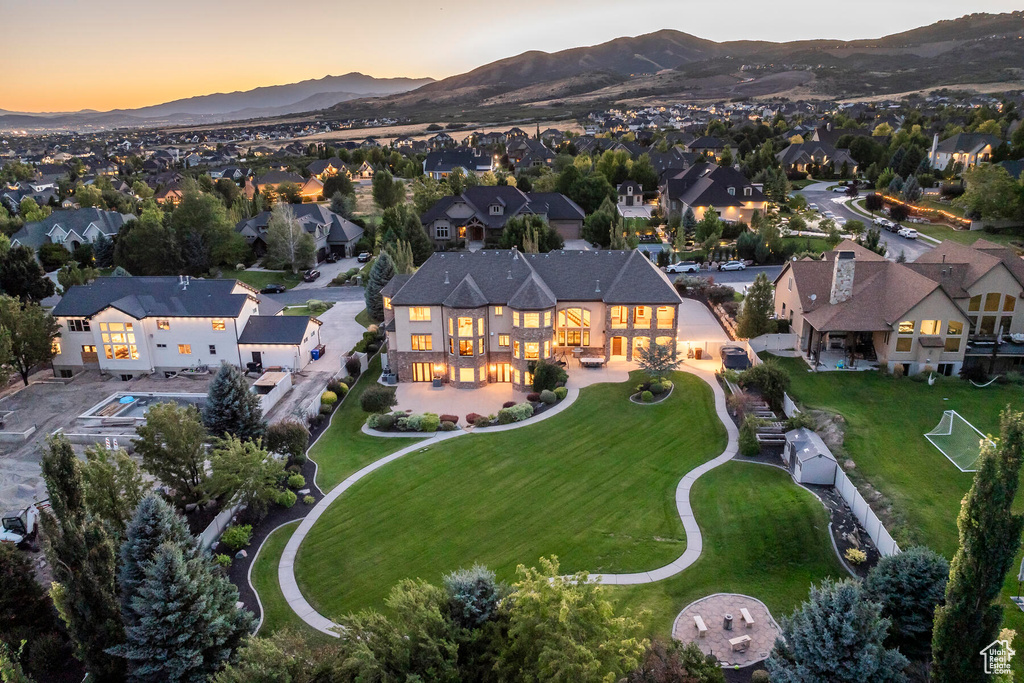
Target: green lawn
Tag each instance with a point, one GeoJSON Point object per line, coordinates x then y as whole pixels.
{"type": "Point", "coordinates": [886, 420]}
{"type": "Point", "coordinates": [261, 278]}
{"type": "Point", "coordinates": [817, 244]}
{"type": "Point", "coordinates": [304, 310]}
{"type": "Point", "coordinates": [276, 612]}
{"type": "Point", "coordinates": [363, 318]}
{"type": "Point", "coordinates": [944, 232]}
{"type": "Point", "coordinates": [343, 448]}
{"type": "Point", "coordinates": [763, 536]}
{"type": "Point", "coordinates": [598, 493]}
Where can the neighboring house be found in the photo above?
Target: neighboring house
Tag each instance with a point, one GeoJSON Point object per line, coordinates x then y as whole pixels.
{"type": "Point", "coordinates": [333, 233]}
{"type": "Point", "coordinates": [966, 149]}
{"type": "Point", "coordinates": [169, 194]}
{"type": "Point", "coordinates": [480, 213]}
{"type": "Point", "coordinates": [527, 152]}
{"type": "Point", "coordinates": [630, 194]}
{"type": "Point", "coordinates": [951, 307]}
{"type": "Point", "coordinates": [132, 326]}
{"type": "Point", "coordinates": [364, 172]}
{"type": "Point", "coordinates": [71, 228]}
{"type": "Point", "coordinates": [478, 318]}
{"type": "Point", "coordinates": [42, 194]}
{"type": "Point", "coordinates": [325, 168]}
{"type": "Point", "coordinates": [440, 141]}
{"type": "Point", "coordinates": [711, 147]}
{"type": "Point", "coordinates": [1014, 168]}
{"type": "Point", "coordinates": [439, 164]}
{"type": "Point", "coordinates": [701, 186]}
{"type": "Point", "coordinates": [798, 157]}
{"type": "Point", "coordinates": [311, 189]}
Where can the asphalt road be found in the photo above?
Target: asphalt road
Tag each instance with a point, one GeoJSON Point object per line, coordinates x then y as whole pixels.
{"type": "Point", "coordinates": [295, 297]}
{"type": "Point", "coordinates": [820, 195]}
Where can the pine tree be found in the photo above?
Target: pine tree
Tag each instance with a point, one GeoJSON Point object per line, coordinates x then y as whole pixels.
{"type": "Point", "coordinates": [82, 557]}
{"type": "Point", "coordinates": [909, 586]}
{"type": "Point", "coordinates": [754, 319]}
{"type": "Point", "coordinates": [989, 539]}
{"type": "Point", "coordinates": [231, 408]}
{"type": "Point", "coordinates": [401, 255]}
{"type": "Point", "coordinates": [188, 625]}
{"type": "Point", "coordinates": [835, 637]}
{"type": "Point", "coordinates": [380, 274]}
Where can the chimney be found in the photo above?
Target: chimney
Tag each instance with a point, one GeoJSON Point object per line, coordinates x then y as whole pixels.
{"type": "Point", "coordinates": [842, 277]}
{"type": "Point", "coordinates": [446, 278]}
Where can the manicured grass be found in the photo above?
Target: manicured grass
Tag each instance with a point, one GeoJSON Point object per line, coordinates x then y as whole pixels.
{"type": "Point", "coordinates": [816, 244]}
{"type": "Point", "coordinates": [277, 615]}
{"type": "Point", "coordinates": [801, 184]}
{"type": "Point", "coordinates": [343, 448]}
{"type": "Point", "coordinates": [596, 490]}
{"type": "Point", "coordinates": [763, 536]}
{"type": "Point", "coordinates": [261, 278]}
{"type": "Point", "coordinates": [944, 232]}
{"type": "Point", "coordinates": [886, 422]}
{"type": "Point", "coordinates": [363, 318]}
{"type": "Point", "coordinates": [304, 310]}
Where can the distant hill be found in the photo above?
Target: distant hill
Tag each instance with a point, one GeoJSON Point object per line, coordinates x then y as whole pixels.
{"type": "Point", "coordinates": [977, 48]}
{"type": "Point", "coordinates": [274, 100]}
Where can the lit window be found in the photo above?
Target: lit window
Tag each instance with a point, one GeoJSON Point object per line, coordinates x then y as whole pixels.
{"type": "Point", "coordinates": [1009, 303]}
{"type": "Point", "coordinates": [479, 325]}
{"type": "Point", "coordinates": [532, 350]}
{"type": "Point", "coordinates": [502, 340]}
{"type": "Point", "coordinates": [515, 349]}
{"type": "Point", "coordinates": [465, 347]}
{"type": "Point", "coordinates": [642, 316]}
{"type": "Point", "coordinates": [931, 327]}
{"type": "Point", "coordinates": [465, 327]}
{"type": "Point", "coordinates": [419, 314]}
{"type": "Point", "coordinates": [185, 349]}
{"type": "Point", "coordinates": [163, 324]}
{"type": "Point", "coordinates": [451, 373]}
{"type": "Point", "coordinates": [467, 375]}
{"type": "Point", "coordinates": [547, 318]}
{"type": "Point", "coordinates": [992, 301]}
{"type": "Point", "coordinates": [451, 346]}
{"type": "Point", "coordinates": [528, 378]}
{"type": "Point", "coordinates": [56, 347]}
{"type": "Point", "coordinates": [906, 327]}
{"type": "Point", "coordinates": [619, 317]}
{"type": "Point", "coordinates": [387, 302]}
{"type": "Point", "coordinates": [483, 374]}
{"type": "Point", "coordinates": [666, 317]}
{"type": "Point", "coordinates": [515, 318]}
{"type": "Point", "coordinates": [499, 310]}
{"type": "Point", "coordinates": [954, 328]}
{"type": "Point", "coordinates": [451, 327]}
{"type": "Point", "coordinates": [975, 303]}
{"type": "Point", "coordinates": [422, 342]}
{"type": "Point", "coordinates": [218, 326]}
{"type": "Point", "coordinates": [88, 348]}
{"type": "Point", "coordinates": [547, 349]}
{"type": "Point", "coordinates": [531, 320]}
{"type": "Point", "coordinates": [480, 346]}
{"type": "Point", "coordinates": [515, 376]}
{"type": "Point", "coordinates": [664, 341]}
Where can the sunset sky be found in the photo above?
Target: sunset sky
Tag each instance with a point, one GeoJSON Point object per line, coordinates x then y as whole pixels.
{"type": "Point", "coordinates": [65, 55]}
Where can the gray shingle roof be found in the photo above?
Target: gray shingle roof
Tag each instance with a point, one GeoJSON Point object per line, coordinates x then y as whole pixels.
{"type": "Point", "coordinates": [466, 295]}
{"type": "Point", "coordinates": [275, 329]}
{"type": "Point", "coordinates": [78, 220]}
{"type": "Point", "coordinates": [611, 276]}
{"type": "Point", "coordinates": [142, 297]}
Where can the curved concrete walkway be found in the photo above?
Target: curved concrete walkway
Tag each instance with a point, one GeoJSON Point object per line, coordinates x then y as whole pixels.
{"type": "Point", "coordinates": [694, 541]}
{"type": "Point", "coordinates": [286, 568]}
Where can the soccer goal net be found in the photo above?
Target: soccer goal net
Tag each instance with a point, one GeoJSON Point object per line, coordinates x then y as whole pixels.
{"type": "Point", "coordinates": [958, 440]}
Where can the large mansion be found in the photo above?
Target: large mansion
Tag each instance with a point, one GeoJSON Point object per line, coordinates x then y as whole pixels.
{"type": "Point", "coordinates": [476, 318]}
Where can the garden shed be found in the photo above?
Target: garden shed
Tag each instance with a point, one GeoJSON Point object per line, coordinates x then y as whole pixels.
{"type": "Point", "coordinates": [808, 458]}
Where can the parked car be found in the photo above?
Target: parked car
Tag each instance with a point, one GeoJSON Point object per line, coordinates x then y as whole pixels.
{"type": "Point", "coordinates": [840, 188]}
{"type": "Point", "coordinates": [683, 267]}
{"type": "Point", "coordinates": [274, 288]}
{"type": "Point", "coordinates": [331, 257]}
{"type": "Point", "coordinates": [891, 227]}
{"type": "Point", "coordinates": [812, 207]}
{"type": "Point", "coordinates": [310, 275]}
{"type": "Point", "coordinates": [364, 257]}
{"type": "Point", "coordinates": [908, 233]}
{"type": "Point", "coordinates": [733, 265]}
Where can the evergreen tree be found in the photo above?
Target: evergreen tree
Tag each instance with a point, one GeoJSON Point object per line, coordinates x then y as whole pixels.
{"type": "Point", "coordinates": [188, 625]}
{"type": "Point", "coordinates": [401, 255]}
{"type": "Point", "coordinates": [835, 637]}
{"type": "Point", "coordinates": [755, 318]}
{"type": "Point", "coordinates": [912, 189]}
{"type": "Point", "coordinates": [989, 539]}
{"type": "Point", "coordinates": [909, 586]}
{"type": "Point", "coordinates": [231, 408]}
{"type": "Point", "coordinates": [103, 251]}
{"type": "Point", "coordinates": [22, 277]}
{"type": "Point", "coordinates": [380, 274]}
{"type": "Point", "coordinates": [81, 555]}
{"type": "Point", "coordinates": [387, 192]}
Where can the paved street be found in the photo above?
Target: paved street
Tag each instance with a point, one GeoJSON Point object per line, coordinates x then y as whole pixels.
{"type": "Point", "coordinates": [824, 198]}
{"type": "Point", "coordinates": [294, 297]}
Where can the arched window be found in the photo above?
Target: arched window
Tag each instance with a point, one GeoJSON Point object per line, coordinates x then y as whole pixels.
{"type": "Point", "coordinates": [574, 327]}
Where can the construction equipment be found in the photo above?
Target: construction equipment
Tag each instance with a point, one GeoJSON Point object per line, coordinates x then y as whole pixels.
{"type": "Point", "coordinates": [21, 527]}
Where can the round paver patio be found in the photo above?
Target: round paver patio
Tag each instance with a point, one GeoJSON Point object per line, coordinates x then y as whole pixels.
{"type": "Point", "coordinates": [712, 611]}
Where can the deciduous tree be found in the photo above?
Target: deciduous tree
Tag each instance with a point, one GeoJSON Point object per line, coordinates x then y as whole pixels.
{"type": "Point", "coordinates": [21, 275]}
{"type": "Point", "coordinates": [112, 486]}
{"type": "Point", "coordinates": [30, 332]}
{"type": "Point", "coordinates": [758, 306]}
{"type": "Point", "coordinates": [243, 472]}
{"type": "Point", "coordinates": [288, 243]}
{"type": "Point", "coordinates": [171, 444]}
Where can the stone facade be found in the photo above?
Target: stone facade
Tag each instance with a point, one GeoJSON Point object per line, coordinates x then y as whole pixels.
{"type": "Point", "coordinates": [631, 335]}
{"type": "Point", "coordinates": [524, 336]}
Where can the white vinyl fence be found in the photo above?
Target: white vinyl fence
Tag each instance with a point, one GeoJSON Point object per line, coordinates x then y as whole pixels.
{"type": "Point", "coordinates": [212, 532]}
{"type": "Point", "coordinates": [774, 342]}
{"type": "Point", "coordinates": [865, 515]}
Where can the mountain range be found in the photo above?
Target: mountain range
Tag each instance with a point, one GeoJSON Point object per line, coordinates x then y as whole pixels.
{"type": "Point", "coordinates": [274, 100]}
{"type": "Point", "coordinates": [665, 65]}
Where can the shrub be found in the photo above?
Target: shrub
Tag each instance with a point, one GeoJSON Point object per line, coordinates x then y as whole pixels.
{"type": "Point", "coordinates": [377, 399]}
{"type": "Point", "coordinates": [508, 404]}
{"type": "Point", "coordinates": [547, 376]}
{"type": "Point", "coordinates": [286, 498]}
{"type": "Point", "coordinates": [448, 426]}
{"type": "Point", "coordinates": [237, 537]}
{"type": "Point", "coordinates": [222, 559]}
{"type": "Point", "coordinates": [533, 396]}
{"type": "Point", "coordinates": [316, 420]}
{"type": "Point", "coordinates": [353, 366]}
{"type": "Point", "coordinates": [339, 389]}
{"type": "Point", "coordinates": [308, 500]}
{"type": "Point", "coordinates": [450, 418]}
{"type": "Point", "coordinates": [897, 371]}
{"type": "Point", "coordinates": [316, 306]}
{"type": "Point", "coordinates": [548, 397]}
{"type": "Point", "coordinates": [383, 422]}
{"type": "Point", "coordinates": [325, 409]}
{"type": "Point", "coordinates": [339, 279]}
{"type": "Point", "coordinates": [749, 445]}
{"type": "Point", "coordinates": [296, 481]}
{"type": "Point", "coordinates": [515, 413]}
{"type": "Point", "coordinates": [719, 294]}
{"type": "Point", "coordinates": [429, 422]}
{"type": "Point", "coordinates": [348, 380]}
{"type": "Point", "coordinates": [561, 392]}
{"type": "Point", "coordinates": [288, 438]}
{"type": "Point", "coordinates": [471, 418]}
{"type": "Point", "coordinates": [328, 398]}
{"type": "Point", "coordinates": [855, 556]}
{"type": "Point", "coordinates": [646, 396]}
{"type": "Point", "coordinates": [760, 676]}
{"type": "Point", "coordinates": [658, 388]}
{"type": "Point", "coordinates": [770, 378]}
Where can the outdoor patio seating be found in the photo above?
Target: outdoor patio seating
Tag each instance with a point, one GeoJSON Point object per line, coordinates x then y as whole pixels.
{"type": "Point", "coordinates": [702, 630]}
{"type": "Point", "coordinates": [747, 619]}
{"type": "Point", "coordinates": [739, 644]}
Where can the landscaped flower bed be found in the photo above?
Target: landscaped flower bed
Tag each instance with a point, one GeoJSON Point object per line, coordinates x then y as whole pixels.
{"type": "Point", "coordinates": [652, 392]}
{"type": "Point", "coordinates": [409, 422]}
{"type": "Point", "coordinates": [536, 403]}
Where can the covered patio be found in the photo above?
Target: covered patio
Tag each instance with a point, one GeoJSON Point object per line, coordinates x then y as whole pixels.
{"type": "Point", "coordinates": [838, 349]}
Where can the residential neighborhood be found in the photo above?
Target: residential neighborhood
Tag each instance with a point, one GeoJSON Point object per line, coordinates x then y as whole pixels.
{"type": "Point", "coordinates": [666, 359]}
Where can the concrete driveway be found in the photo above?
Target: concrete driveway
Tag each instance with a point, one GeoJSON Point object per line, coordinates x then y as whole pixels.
{"type": "Point", "coordinates": [698, 323]}
{"type": "Point", "coordinates": [819, 194]}
{"type": "Point", "coordinates": [327, 273]}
